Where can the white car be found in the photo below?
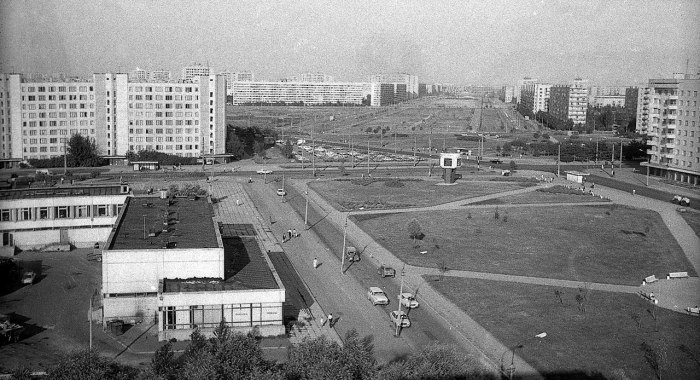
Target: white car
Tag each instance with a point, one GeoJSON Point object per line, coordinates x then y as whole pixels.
{"type": "Point", "coordinates": [264, 171]}
{"type": "Point", "coordinates": [28, 278]}
{"type": "Point", "coordinates": [281, 192]}
{"type": "Point", "coordinates": [400, 318]}
{"type": "Point", "coordinates": [377, 296]}
{"type": "Point", "coordinates": [408, 300]}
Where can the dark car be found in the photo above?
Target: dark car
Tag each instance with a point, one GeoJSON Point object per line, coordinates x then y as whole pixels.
{"type": "Point", "coordinates": [496, 161]}
{"type": "Point", "coordinates": [385, 271]}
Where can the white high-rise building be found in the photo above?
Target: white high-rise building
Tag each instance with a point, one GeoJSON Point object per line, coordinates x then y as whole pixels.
{"type": "Point", "coordinates": [160, 76]}
{"type": "Point", "coordinates": [315, 77]}
{"type": "Point", "coordinates": [185, 119]}
{"type": "Point", "coordinates": [138, 75]}
{"type": "Point", "coordinates": [522, 84]}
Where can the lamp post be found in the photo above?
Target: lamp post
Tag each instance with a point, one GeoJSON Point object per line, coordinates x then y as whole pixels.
{"type": "Point", "coordinates": [511, 367]}
{"type": "Point", "coordinates": [342, 254]}
{"type": "Point", "coordinates": [398, 311]}
{"type": "Point", "coordinates": [306, 208]}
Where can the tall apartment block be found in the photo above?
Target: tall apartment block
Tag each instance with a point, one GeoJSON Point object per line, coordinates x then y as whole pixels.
{"type": "Point", "coordinates": [522, 84]}
{"type": "Point", "coordinates": [307, 93]}
{"type": "Point", "coordinates": [232, 77]}
{"type": "Point", "coordinates": [411, 82]}
{"type": "Point", "coordinates": [535, 97]}
{"type": "Point", "coordinates": [570, 102]}
{"type": "Point", "coordinates": [163, 76]}
{"type": "Point", "coordinates": [185, 119]}
{"type": "Point", "coordinates": [315, 77]}
{"type": "Point", "coordinates": [668, 113]}
{"type": "Point", "coordinates": [189, 72]}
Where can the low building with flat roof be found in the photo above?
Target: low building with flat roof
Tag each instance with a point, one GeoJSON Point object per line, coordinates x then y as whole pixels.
{"type": "Point", "coordinates": [166, 261]}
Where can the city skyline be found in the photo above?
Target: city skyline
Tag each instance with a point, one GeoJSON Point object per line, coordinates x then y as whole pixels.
{"type": "Point", "coordinates": [495, 43]}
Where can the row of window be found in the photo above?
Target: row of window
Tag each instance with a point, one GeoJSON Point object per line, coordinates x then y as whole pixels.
{"type": "Point", "coordinates": [43, 98]}
{"type": "Point", "coordinates": [169, 131]}
{"type": "Point", "coordinates": [163, 105]}
{"type": "Point", "coordinates": [56, 88]}
{"type": "Point", "coordinates": [210, 316]}
{"type": "Point", "coordinates": [56, 115]}
{"type": "Point", "coordinates": [164, 122]}
{"type": "Point", "coordinates": [162, 89]}
{"type": "Point", "coordinates": [164, 97]}
{"type": "Point", "coordinates": [58, 212]}
{"type": "Point", "coordinates": [179, 114]}
{"type": "Point", "coordinates": [53, 106]}
{"type": "Point", "coordinates": [63, 132]}
{"type": "Point", "coordinates": [166, 139]}
{"type": "Point", "coordinates": [138, 148]}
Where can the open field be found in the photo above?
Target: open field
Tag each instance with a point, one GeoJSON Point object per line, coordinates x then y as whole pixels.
{"type": "Point", "coordinates": [537, 197]}
{"type": "Point", "coordinates": [384, 193]}
{"type": "Point", "coordinates": [693, 220]}
{"type": "Point", "coordinates": [605, 339]}
{"type": "Point", "coordinates": [607, 244]}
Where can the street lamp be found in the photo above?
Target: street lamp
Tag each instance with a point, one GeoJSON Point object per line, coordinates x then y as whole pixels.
{"type": "Point", "coordinates": [511, 368]}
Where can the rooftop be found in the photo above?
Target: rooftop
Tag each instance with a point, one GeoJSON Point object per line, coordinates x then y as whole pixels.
{"type": "Point", "coordinates": [61, 191]}
{"type": "Point", "coordinates": [245, 268]}
{"type": "Point", "coordinates": [189, 224]}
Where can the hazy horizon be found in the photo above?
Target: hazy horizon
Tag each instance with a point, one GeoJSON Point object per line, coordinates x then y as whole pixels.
{"type": "Point", "coordinates": [613, 42]}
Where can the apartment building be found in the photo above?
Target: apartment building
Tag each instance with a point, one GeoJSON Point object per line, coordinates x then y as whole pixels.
{"type": "Point", "coordinates": [608, 100]}
{"type": "Point", "coordinates": [315, 77]}
{"type": "Point", "coordinates": [185, 119]}
{"type": "Point", "coordinates": [411, 82]}
{"type": "Point", "coordinates": [668, 113]}
{"type": "Point", "coordinates": [306, 93]}
{"type": "Point", "coordinates": [382, 94]}
{"type": "Point", "coordinates": [138, 75]}
{"type": "Point", "coordinates": [163, 76]}
{"type": "Point", "coordinates": [521, 86]}
{"type": "Point", "coordinates": [570, 101]}
{"type": "Point", "coordinates": [232, 77]}
{"type": "Point", "coordinates": [190, 72]}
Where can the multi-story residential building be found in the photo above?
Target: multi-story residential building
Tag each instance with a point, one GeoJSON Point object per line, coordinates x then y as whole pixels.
{"type": "Point", "coordinates": [669, 115]}
{"type": "Point", "coordinates": [196, 70]}
{"type": "Point", "coordinates": [307, 93]}
{"type": "Point", "coordinates": [163, 76]}
{"type": "Point", "coordinates": [6, 158]}
{"type": "Point", "coordinates": [411, 82]}
{"type": "Point", "coordinates": [185, 119]}
{"type": "Point", "coordinates": [138, 75]}
{"type": "Point", "coordinates": [569, 102]}
{"type": "Point", "coordinates": [522, 84]}
{"type": "Point", "coordinates": [540, 100]}
{"type": "Point", "coordinates": [507, 94]}
{"type": "Point", "coordinates": [607, 100]}
{"type": "Point", "coordinates": [315, 77]}
{"type": "Point", "coordinates": [232, 77]}
{"type": "Point", "coordinates": [382, 94]}
{"type": "Point", "coordinates": [631, 94]}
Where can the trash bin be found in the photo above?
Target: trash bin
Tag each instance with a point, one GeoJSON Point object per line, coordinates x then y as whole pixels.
{"type": "Point", "coordinates": [116, 327]}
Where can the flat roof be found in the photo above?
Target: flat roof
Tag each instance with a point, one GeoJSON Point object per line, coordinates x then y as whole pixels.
{"type": "Point", "coordinates": [61, 191]}
{"type": "Point", "coordinates": [190, 224]}
{"type": "Point", "coordinates": [245, 268]}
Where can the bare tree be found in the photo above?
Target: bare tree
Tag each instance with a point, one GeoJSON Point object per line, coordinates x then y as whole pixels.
{"type": "Point", "coordinates": [414, 230]}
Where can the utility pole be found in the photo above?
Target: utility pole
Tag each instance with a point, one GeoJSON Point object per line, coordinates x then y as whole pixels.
{"type": "Point", "coordinates": [313, 149]}
{"type": "Point", "coordinates": [368, 154]}
{"type": "Point", "coordinates": [612, 158]}
{"type": "Point", "coordinates": [65, 157]}
{"type": "Point", "coordinates": [394, 142]}
{"type": "Point", "coordinates": [352, 149]}
{"type": "Point", "coordinates": [342, 254]}
{"type": "Point", "coordinates": [558, 160]}
{"type": "Point", "coordinates": [415, 147]}
{"type": "Point", "coordinates": [306, 208]}
{"type": "Point", "coordinates": [90, 319]}
{"type": "Point", "coordinates": [284, 192]}
{"type": "Point", "coordinates": [620, 155]}
{"type": "Point", "coordinates": [648, 163]}
{"type": "Point", "coordinates": [398, 311]}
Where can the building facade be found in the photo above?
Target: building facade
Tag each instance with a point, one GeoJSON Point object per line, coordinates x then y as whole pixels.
{"type": "Point", "coordinates": [80, 216]}
{"type": "Point", "coordinates": [570, 102]}
{"type": "Point", "coordinates": [669, 115]}
{"type": "Point", "coordinates": [306, 93]}
{"type": "Point", "coordinates": [411, 82]}
{"type": "Point", "coordinates": [185, 119]}
{"type": "Point", "coordinates": [608, 100]}
{"type": "Point", "coordinates": [163, 76]}
{"type": "Point", "coordinates": [382, 94]}
{"type": "Point", "coordinates": [232, 77]}
{"type": "Point", "coordinates": [315, 77]}
{"type": "Point", "coordinates": [521, 85]}
{"type": "Point", "coordinates": [190, 72]}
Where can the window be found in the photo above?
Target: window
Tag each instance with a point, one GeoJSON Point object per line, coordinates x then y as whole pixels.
{"type": "Point", "coordinates": [43, 212]}
{"type": "Point", "coordinates": [62, 212]}
{"type": "Point", "coordinates": [5, 215]}
{"type": "Point", "coordinates": [102, 210]}
{"type": "Point", "coordinates": [26, 214]}
{"type": "Point", "coordinates": [82, 211]}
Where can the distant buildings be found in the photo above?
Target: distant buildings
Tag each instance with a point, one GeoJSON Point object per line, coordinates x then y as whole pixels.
{"type": "Point", "coordinates": [189, 72]}
{"type": "Point", "coordinates": [315, 77]}
{"type": "Point", "coordinates": [522, 84]}
{"type": "Point", "coordinates": [507, 94]}
{"type": "Point", "coordinates": [569, 102]}
{"type": "Point", "coordinates": [410, 81]}
{"type": "Point", "coordinates": [163, 76]}
{"type": "Point", "coordinates": [138, 75]}
{"type": "Point", "coordinates": [185, 119]}
{"type": "Point", "coordinates": [232, 77]}
{"type": "Point", "coordinates": [669, 115]}
{"type": "Point", "coordinates": [298, 93]}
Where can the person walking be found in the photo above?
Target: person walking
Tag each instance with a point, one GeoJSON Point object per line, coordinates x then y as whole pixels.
{"type": "Point", "coordinates": [294, 233]}
{"type": "Point", "coordinates": [330, 320]}
{"type": "Point", "coordinates": [315, 263]}
{"type": "Point", "coordinates": [289, 232]}
{"type": "Point", "coordinates": [634, 192]}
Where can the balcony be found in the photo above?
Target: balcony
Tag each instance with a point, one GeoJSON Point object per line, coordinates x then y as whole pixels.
{"type": "Point", "coordinates": [651, 152]}
{"type": "Point", "coordinates": [652, 133]}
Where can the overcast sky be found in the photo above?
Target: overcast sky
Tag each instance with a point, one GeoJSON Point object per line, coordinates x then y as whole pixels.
{"type": "Point", "coordinates": [492, 42]}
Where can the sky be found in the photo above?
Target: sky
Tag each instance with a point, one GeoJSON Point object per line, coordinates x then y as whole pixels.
{"type": "Point", "coordinates": [494, 42]}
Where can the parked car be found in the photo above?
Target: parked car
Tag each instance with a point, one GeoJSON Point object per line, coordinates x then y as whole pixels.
{"type": "Point", "coordinates": [351, 254]}
{"type": "Point", "coordinates": [496, 161]}
{"type": "Point", "coordinates": [400, 318]}
{"type": "Point", "coordinates": [281, 192]}
{"type": "Point", "coordinates": [680, 200]}
{"type": "Point", "coordinates": [264, 171]}
{"type": "Point", "coordinates": [408, 300]}
{"type": "Point", "coordinates": [385, 271]}
{"type": "Point", "coordinates": [377, 296]}
{"type": "Point", "coordinates": [28, 278]}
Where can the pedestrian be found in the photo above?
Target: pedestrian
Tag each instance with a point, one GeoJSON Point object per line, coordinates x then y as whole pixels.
{"type": "Point", "coordinates": [294, 233]}
{"type": "Point", "coordinates": [613, 172]}
{"type": "Point", "coordinates": [592, 185]}
{"type": "Point", "coordinates": [238, 202]}
{"type": "Point", "coordinates": [284, 237]}
{"type": "Point", "coordinates": [290, 234]}
{"type": "Point", "coordinates": [330, 320]}
{"type": "Point", "coordinates": [315, 263]}
{"type": "Point", "coordinates": [634, 192]}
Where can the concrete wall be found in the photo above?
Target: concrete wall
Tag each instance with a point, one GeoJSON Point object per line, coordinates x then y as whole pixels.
{"type": "Point", "coordinates": [138, 271]}
{"type": "Point", "coordinates": [184, 334]}
{"type": "Point", "coordinates": [130, 308]}
{"type": "Point", "coordinates": [79, 237]}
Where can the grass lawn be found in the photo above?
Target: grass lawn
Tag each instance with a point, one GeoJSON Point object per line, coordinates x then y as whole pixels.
{"type": "Point", "coordinates": [608, 243]}
{"type": "Point", "coordinates": [541, 197]}
{"type": "Point", "coordinates": [350, 195]}
{"type": "Point", "coordinates": [606, 339]}
{"type": "Point", "coordinates": [693, 219]}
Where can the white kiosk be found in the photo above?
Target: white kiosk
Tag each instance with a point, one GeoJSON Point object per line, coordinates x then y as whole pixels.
{"type": "Point", "coordinates": [449, 162]}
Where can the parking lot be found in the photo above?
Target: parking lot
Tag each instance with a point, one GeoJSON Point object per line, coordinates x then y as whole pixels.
{"type": "Point", "coordinates": [53, 310]}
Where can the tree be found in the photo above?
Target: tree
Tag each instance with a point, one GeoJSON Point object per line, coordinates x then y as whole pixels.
{"type": "Point", "coordinates": [259, 149]}
{"type": "Point", "coordinates": [513, 166]}
{"type": "Point", "coordinates": [82, 151]}
{"type": "Point", "coordinates": [163, 363]}
{"type": "Point", "coordinates": [436, 361]}
{"type": "Point", "coordinates": [234, 146]}
{"type": "Point", "coordinates": [89, 365]}
{"type": "Point", "coordinates": [414, 230]}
